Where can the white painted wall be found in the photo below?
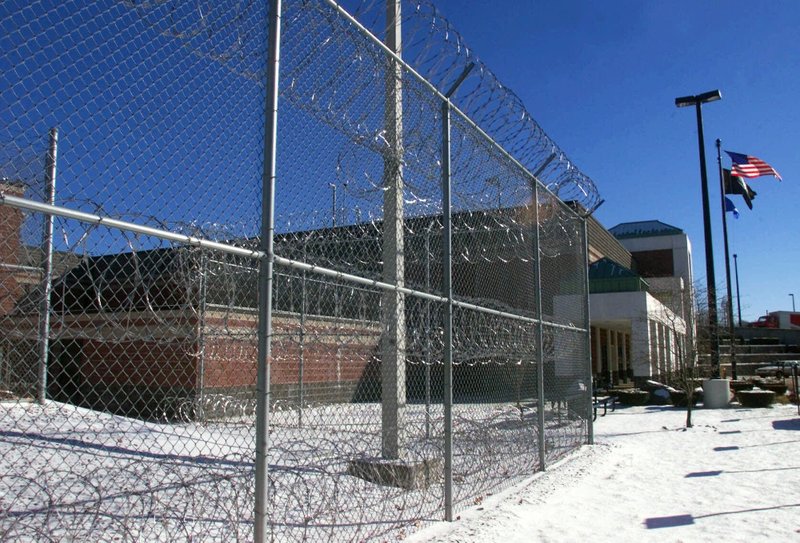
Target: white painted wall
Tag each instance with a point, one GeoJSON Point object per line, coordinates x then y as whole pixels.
{"type": "Point", "coordinates": [642, 313]}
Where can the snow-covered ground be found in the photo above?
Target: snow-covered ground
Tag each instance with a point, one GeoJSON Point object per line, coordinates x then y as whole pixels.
{"type": "Point", "coordinates": [73, 474]}
{"type": "Point", "coordinates": [734, 476]}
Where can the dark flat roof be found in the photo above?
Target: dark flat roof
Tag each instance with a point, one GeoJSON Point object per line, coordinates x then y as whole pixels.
{"type": "Point", "coordinates": [644, 229]}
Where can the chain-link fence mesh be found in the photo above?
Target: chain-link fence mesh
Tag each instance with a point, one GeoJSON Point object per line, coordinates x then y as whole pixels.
{"type": "Point", "coordinates": [129, 336]}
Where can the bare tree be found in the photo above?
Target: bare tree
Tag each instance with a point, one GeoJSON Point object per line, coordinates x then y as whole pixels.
{"type": "Point", "coordinates": [687, 349]}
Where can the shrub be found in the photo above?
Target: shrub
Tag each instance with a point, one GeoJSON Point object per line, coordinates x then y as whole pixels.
{"type": "Point", "coordinates": [678, 398]}
{"type": "Point", "coordinates": [632, 397]}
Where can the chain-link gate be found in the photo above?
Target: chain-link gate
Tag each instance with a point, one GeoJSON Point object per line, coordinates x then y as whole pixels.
{"type": "Point", "coordinates": [314, 295]}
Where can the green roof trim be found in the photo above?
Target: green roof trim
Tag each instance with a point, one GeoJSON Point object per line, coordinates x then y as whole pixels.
{"type": "Point", "coordinates": [605, 275]}
{"type": "Point", "coordinates": [605, 268]}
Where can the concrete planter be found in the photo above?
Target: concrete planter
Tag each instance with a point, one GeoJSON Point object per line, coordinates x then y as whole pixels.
{"type": "Point", "coordinates": [716, 393]}
{"type": "Point", "coordinates": [756, 398]}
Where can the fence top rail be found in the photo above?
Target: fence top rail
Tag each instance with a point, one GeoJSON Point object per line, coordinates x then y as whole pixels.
{"type": "Point", "coordinates": [98, 220]}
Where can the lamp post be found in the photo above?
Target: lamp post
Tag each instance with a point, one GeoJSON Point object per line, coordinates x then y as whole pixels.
{"type": "Point", "coordinates": [792, 295]}
{"type": "Point", "coordinates": [697, 101]}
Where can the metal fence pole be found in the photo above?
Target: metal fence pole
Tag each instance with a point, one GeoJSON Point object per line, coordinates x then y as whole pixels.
{"type": "Point", "coordinates": [796, 390]}
{"type": "Point", "coordinates": [537, 280]}
{"type": "Point", "coordinates": [427, 360]}
{"type": "Point", "coordinates": [201, 324]}
{"type": "Point", "coordinates": [265, 274]}
{"type": "Point", "coordinates": [47, 266]}
{"type": "Point", "coordinates": [587, 326]}
{"type": "Point", "coordinates": [447, 291]}
{"type": "Point", "coordinates": [393, 349]}
{"type": "Point", "coordinates": [302, 362]}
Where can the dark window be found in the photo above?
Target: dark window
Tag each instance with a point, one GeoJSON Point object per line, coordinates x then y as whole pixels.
{"type": "Point", "coordinates": [654, 263]}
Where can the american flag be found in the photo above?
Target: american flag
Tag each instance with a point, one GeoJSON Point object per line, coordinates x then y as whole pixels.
{"type": "Point", "coordinates": [750, 166]}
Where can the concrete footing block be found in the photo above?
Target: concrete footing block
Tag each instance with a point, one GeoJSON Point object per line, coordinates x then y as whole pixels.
{"type": "Point", "coordinates": [407, 474]}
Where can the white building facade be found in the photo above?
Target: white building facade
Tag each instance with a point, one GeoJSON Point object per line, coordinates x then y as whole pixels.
{"type": "Point", "coordinates": [641, 309]}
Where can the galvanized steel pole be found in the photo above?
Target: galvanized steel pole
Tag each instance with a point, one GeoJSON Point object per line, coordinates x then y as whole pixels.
{"type": "Point", "coordinates": [47, 266]}
{"type": "Point", "coordinates": [537, 280]}
{"type": "Point", "coordinates": [393, 340]}
{"type": "Point", "coordinates": [428, 335]}
{"type": "Point", "coordinates": [447, 291]}
{"type": "Point", "coordinates": [301, 399]}
{"type": "Point", "coordinates": [261, 519]}
{"type": "Point", "coordinates": [587, 325]}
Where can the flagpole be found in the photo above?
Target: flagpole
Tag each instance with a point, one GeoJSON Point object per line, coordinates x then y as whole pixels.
{"type": "Point", "coordinates": [731, 334]}
{"type": "Point", "coordinates": [738, 298]}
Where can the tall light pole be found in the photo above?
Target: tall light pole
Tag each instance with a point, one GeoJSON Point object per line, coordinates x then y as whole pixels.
{"type": "Point", "coordinates": [697, 101]}
{"type": "Point", "coordinates": [792, 295]}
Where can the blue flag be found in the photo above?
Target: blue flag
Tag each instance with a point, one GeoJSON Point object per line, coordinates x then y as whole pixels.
{"type": "Point", "coordinates": [730, 208]}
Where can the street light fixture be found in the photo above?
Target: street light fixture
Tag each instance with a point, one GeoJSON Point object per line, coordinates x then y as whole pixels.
{"type": "Point", "coordinates": [704, 98]}
{"type": "Point", "coordinates": [697, 101]}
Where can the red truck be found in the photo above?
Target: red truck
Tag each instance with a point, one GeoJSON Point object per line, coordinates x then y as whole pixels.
{"type": "Point", "coordinates": [778, 319]}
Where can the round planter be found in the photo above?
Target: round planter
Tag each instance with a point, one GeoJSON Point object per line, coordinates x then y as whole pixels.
{"type": "Point", "coordinates": [736, 386]}
{"type": "Point", "coordinates": [778, 388]}
{"type": "Point", "coordinates": [756, 398]}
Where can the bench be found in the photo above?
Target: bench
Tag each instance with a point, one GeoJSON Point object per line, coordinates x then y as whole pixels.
{"type": "Point", "coordinates": [603, 401]}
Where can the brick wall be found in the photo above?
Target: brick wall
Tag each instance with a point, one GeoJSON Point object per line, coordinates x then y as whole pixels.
{"type": "Point", "coordinates": [339, 358]}
{"type": "Point", "coordinates": [170, 363]}
{"type": "Point", "coordinates": [10, 225]}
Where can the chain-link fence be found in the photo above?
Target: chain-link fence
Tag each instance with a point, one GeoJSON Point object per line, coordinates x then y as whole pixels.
{"type": "Point", "coordinates": [314, 295]}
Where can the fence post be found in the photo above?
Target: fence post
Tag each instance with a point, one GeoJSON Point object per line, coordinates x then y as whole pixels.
{"type": "Point", "coordinates": [265, 274]}
{"type": "Point", "coordinates": [447, 291]}
{"type": "Point", "coordinates": [302, 362]}
{"type": "Point", "coordinates": [427, 359]}
{"type": "Point", "coordinates": [47, 266]}
{"type": "Point", "coordinates": [393, 342]}
{"type": "Point", "coordinates": [537, 280]}
{"type": "Point", "coordinates": [588, 328]}
{"type": "Point", "coordinates": [201, 324]}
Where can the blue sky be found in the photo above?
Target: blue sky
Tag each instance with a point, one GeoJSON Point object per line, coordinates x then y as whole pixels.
{"type": "Point", "coordinates": [602, 77]}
